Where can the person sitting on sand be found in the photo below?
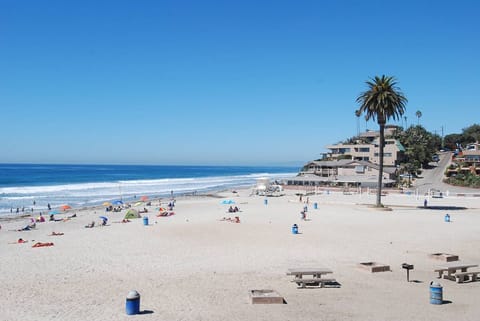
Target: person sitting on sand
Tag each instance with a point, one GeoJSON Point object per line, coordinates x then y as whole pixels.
{"type": "Point", "coordinates": [29, 226]}
{"type": "Point", "coordinates": [104, 222]}
{"type": "Point", "coordinates": [90, 225]}
{"type": "Point", "coordinates": [55, 234]}
{"type": "Point", "coordinates": [20, 240]}
{"type": "Point", "coordinates": [125, 220]}
{"type": "Point", "coordinates": [40, 244]}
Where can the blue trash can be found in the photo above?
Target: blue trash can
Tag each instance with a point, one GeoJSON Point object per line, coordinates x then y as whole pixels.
{"type": "Point", "coordinates": [265, 201]}
{"type": "Point", "coordinates": [447, 218]}
{"type": "Point", "coordinates": [436, 293]}
{"type": "Point", "coordinates": [315, 205]}
{"type": "Point", "coordinates": [145, 220]}
{"type": "Point", "coordinates": [295, 229]}
{"type": "Point", "coordinates": [132, 305]}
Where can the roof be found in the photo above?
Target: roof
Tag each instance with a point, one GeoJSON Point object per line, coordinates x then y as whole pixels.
{"type": "Point", "coordinates": [471, 152]}
{"type": "Point", "coordinates": [347, 162]}
{"type": "Point", "coordinates": [375, 142]}
{"type": "Point", "coordinates": [369, 133]}
{"type": "Point", "coordinates": [340, 179]}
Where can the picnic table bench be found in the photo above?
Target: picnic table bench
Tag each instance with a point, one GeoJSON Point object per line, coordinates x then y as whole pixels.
{"type": "Point", "coordinates": [314, 276]}
{"type": "Point", "coordinates": [449, 271]}
{"type": "Point", "coordinates": [464, 276]}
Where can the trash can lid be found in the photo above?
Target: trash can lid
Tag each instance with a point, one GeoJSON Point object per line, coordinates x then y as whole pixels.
{"type": "Point", "coordinates": [435, 284]}
{"type": "Point", "coordinates": [133, 295]}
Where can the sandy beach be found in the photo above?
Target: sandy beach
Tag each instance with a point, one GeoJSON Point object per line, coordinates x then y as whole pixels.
{"type": "Point", "coordinates": [194, 266]}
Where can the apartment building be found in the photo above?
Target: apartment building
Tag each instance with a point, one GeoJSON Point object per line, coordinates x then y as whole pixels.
{"type": "Point", "coordinates": [367, 148]}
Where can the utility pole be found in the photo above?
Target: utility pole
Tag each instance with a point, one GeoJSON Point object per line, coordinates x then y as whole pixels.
{"type": "Point", "coordinates": [443, 140]}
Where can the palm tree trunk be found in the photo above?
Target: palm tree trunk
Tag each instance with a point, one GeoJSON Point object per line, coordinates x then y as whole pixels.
{"type": "Point", "coordinates": [380, 165]}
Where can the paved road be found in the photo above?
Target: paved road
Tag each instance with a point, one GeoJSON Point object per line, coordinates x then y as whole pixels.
{"type": "Point", "coordinates": [433, 178]}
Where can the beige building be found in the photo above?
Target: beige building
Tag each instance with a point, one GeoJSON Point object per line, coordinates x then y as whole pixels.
{"type": "Point", "coordinates": [368, 149]}
{"type": "Point", "coordinates": [342, 172]}
{"type": "Point", "coordinates": [468, 161]}
{"type": "Point", "coordinates": [472, 153]}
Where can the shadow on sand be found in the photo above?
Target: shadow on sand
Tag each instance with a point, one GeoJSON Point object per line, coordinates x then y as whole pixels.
{"type": "Point", "coordinates": [146, 312]}
{"type": "Point", "coordinates": [443, 208]}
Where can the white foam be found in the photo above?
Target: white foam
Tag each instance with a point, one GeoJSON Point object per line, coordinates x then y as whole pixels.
{"type": "Point", "coordinates": [82, 194]}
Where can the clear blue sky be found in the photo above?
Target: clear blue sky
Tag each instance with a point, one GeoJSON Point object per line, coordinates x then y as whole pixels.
{"type": "Point", "coordinates": [222, 82]}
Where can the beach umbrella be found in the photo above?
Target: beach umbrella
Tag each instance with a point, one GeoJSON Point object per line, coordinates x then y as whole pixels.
{"type": "Point", "coordinates": [227, 202]}
{"type": "Point", "coordinates": [138, 204]}
{"type": "Point", "coordinates": [107, 204]}
{"type": "Point", "coordinates": [104, 218]}
{"type": "Point", "coordinates": [65, 207]}
{"type": "Point", "coordinates": [117, 202]}
{"type": "Point", "coordinates": [53, 212]}
{"type": "Point", "coordinates": [144, 198]}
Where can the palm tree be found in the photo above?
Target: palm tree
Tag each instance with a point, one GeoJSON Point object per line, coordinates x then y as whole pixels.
{"type": "Point", "coordinates": [383, 100]}
{"type": "Point", "coordinates": [418, 114]}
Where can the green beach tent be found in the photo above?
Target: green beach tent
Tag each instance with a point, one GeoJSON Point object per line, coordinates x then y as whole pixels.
{"type": "Point", "coordinates": [131, 213]}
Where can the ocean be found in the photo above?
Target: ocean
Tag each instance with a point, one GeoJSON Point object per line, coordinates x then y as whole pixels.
{"type": "Point", "coordinates": [34, 186]}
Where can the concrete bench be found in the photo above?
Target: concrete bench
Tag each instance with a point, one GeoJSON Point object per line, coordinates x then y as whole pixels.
{"type": "Point", "coordinates": [463, 276]}
{"type": "Point", "coordinates": [440, 272]}
{"type": "Point", "coordinates": [312, 282]}
{"type": "Point", "coordinates": [445, 274]}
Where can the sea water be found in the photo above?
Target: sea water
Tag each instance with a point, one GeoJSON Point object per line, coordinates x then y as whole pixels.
{"type": "Point", "coordinates": [34, 186]}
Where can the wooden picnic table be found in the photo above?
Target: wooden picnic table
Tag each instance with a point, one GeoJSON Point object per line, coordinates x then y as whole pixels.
{"type": "Point", "coordinates": [448, 270]}
{"type": "Point", "coordinates": [314, 276]}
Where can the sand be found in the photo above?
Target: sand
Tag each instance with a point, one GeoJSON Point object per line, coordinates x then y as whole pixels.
{"type": "Point", "coordinates": [192, 266]}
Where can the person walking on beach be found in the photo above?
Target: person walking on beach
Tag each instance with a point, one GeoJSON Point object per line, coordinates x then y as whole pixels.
{"type": "Point", "coordinates": [303, 216]}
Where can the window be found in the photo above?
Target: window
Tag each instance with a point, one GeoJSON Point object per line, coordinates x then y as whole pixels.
{"type": "Point", "coordinates": [360, 169]}
{"type": "Point", "coordinates": [364, 149]}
